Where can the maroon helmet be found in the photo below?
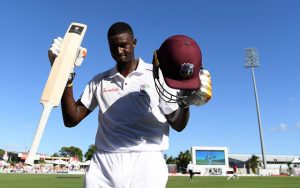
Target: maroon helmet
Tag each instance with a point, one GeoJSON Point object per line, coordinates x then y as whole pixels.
{"type": "Point", "coordinates": [179, 58]}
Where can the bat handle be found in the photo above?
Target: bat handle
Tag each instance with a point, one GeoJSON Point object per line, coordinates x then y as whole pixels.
{"type": "Point", "coordinates": [38, 134]}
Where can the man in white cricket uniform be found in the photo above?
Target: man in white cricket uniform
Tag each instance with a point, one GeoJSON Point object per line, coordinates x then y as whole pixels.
{"type": "Point", "coordinates": [133, 120]}
{"type": "Point", "coordinates": [133, 130]}
{"type": "Point", "coordinates": [190, 169]}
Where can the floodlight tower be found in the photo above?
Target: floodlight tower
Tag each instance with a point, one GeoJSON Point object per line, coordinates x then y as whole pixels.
{"type": "Point", "coordinates": [251, 61]}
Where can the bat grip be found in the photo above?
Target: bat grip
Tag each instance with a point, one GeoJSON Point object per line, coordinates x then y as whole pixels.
{"type": "Point", "coordinates": [38, 134]}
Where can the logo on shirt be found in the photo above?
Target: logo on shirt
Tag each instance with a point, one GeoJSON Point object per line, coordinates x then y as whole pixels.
{"type": "Point", "coordinates": [105, 90]}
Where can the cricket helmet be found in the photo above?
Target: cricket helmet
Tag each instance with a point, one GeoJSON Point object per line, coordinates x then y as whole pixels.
{"type": "Point", "coordinates": [179, 58]}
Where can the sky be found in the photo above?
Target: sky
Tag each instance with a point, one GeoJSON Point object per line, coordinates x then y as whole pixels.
{"type": "Point", "coordinates": [223, 30]}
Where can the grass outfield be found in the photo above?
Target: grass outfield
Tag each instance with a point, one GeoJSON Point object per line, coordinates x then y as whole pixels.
{"type": "Point", "coordinates": [242, 182]}
{"type": "Point", "coordinates": [76, 181]}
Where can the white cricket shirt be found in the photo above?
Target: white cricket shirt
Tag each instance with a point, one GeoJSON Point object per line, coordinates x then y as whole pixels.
{"type": "Point", "coordinates": [131, 114]}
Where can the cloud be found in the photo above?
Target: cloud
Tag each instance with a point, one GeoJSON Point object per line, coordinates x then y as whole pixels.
{"type": "Point", "coordinates": [298, 125]}
{"type": "Point", "coordinates": [281, 127]}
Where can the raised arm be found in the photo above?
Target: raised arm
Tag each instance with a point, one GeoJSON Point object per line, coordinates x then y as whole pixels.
{"type": "Point", "coordinates": [73, 112]}
{"type": "Point", "coordinates": [179, 118]}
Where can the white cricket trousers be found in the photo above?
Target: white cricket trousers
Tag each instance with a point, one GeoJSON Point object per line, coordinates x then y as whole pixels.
{"type": "Point", "coordinates": [127, 170]}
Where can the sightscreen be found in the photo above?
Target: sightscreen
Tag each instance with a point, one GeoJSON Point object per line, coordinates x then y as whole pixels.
{"type": "Point", "coordinates": [210, 157]}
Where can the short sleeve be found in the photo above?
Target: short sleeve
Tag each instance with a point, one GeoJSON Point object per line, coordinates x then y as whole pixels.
{"type": "Point", "coordinates": [88, 97]}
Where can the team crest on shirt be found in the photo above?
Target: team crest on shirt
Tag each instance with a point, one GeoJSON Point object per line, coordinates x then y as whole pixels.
{"type": "Point", "coordinates": [186, 70]}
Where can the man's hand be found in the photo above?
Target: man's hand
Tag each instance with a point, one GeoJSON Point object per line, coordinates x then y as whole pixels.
{"type": "Point", "coordinates": [197, 97]}
{"type": "Point", "coordinates": [55, 50]}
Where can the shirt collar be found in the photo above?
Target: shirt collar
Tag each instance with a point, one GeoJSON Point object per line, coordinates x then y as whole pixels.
{"type": "Point", "coordinates": [139, 70]}
{"type": "Point", "coordinates": [141, 67]}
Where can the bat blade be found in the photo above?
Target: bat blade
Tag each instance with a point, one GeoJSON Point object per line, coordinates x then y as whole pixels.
{"type": "Point", "coordinates": [63, 64]}
{"type": "Point", "coordinates": [57, 81]}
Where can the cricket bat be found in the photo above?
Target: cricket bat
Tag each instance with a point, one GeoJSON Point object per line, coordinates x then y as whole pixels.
{"type": "Point", "coordinates": [57, 81]}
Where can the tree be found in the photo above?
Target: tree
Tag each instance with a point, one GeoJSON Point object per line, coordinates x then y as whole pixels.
{"type": "Point", "coordinates": [289, 167]}
{"type": "Point", "coordinates": [55, 154]}
{"type": "Point", "coordinates": [253, 163]}
{"type": "Point", "coordinates": [2, 152]}
{"type": "Point", "coordinates": [71, 152]}
{"type": "Point", "coordinates": [183, 160]}
{"type": "Point", "coordinates": [13, 157]}
{"type": "Point", "coordinates": [88, 155]}
{"type": "Point", "coordinates": [171, 160]}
